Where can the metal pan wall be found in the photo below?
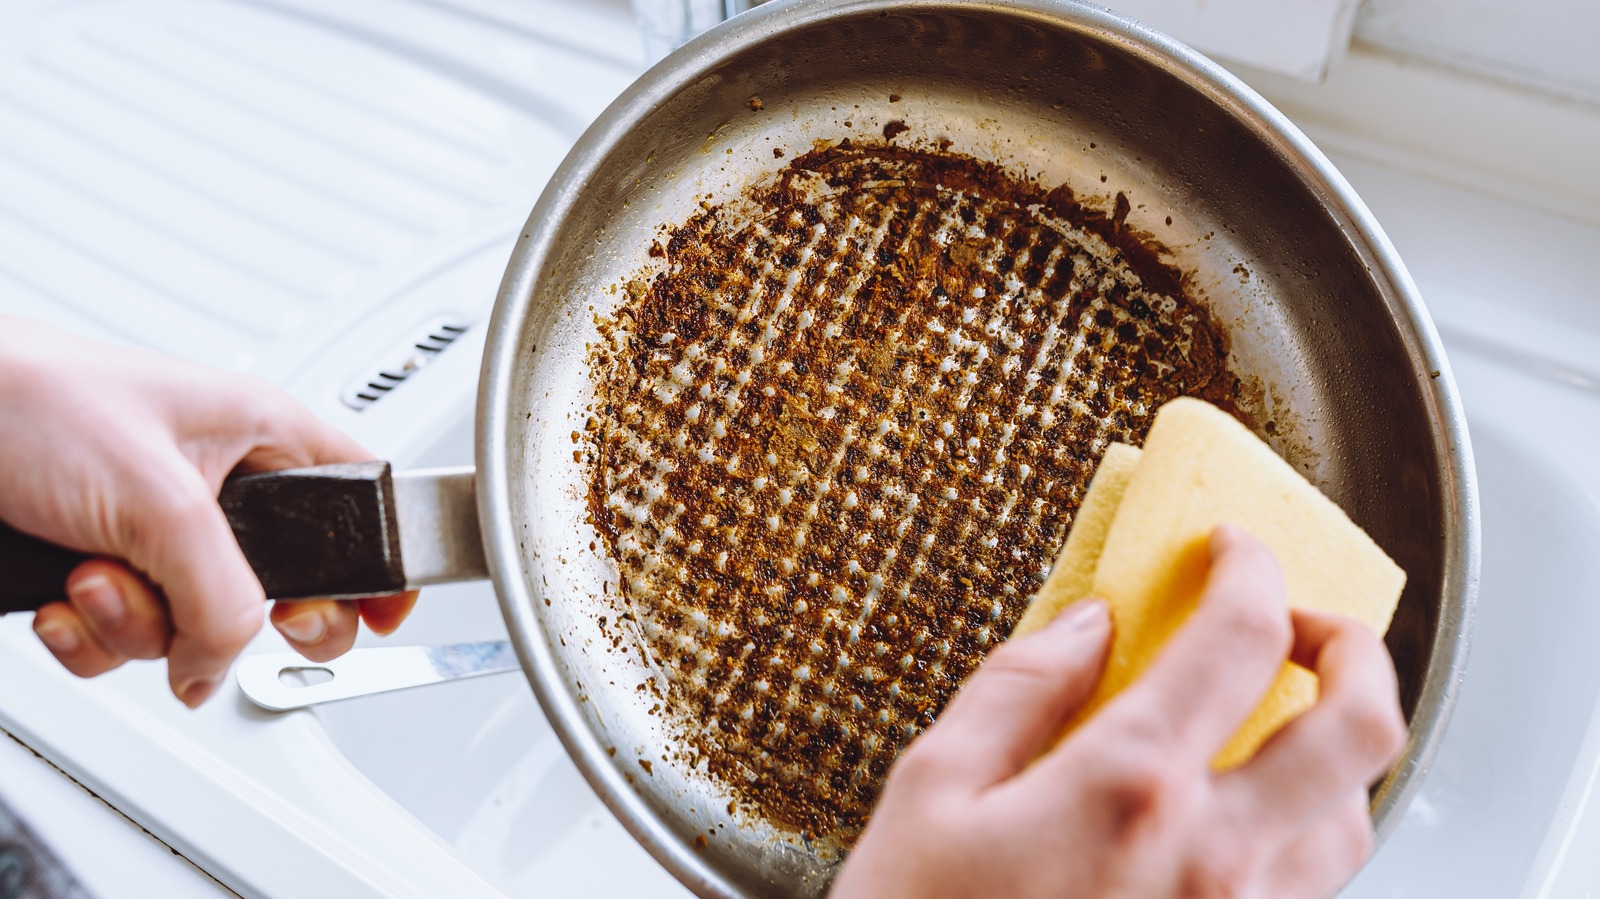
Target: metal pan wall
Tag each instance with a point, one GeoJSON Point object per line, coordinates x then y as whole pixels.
{"type": "Point", "coordinates": [1326, 329]}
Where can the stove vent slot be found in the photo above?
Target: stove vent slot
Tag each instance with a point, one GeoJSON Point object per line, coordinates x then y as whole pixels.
{"type": "Point", "coordinates": [430, 340]}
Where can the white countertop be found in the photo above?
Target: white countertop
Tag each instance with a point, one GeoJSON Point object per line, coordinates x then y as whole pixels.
{"type": "Point", "coordinates": [108, 854]}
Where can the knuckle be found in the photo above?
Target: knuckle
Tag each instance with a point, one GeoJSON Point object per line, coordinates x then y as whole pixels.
{"type": "Point", "coordinates": [1261, 630]}
{"type": "Point", "coordinates": [1140, 788]}
{"type": "Point", "coordinates": [1221, 872]}
{"type": "Point", "coordinates": [1378, 729]}
{"type": "Point", "coordinates": [1343, 840]}
{"type": "Point", "coordinates": [1025, 662]}
{"type": "Point", "coordinates": [138, 638]}
{"type": "Point", "coordinates": [1362, 844]}
{"type": "Point", "coordinates": [165, 504]}
{"type": "Point", "coordinates": [149, 649]}
{"type": "Point", "coordinates": [1250, 560]}
{"type": "Point", "coordinates": [1266, 563]}
{"type": "Point", "coordinates": [1371, 720]}
{"type": "Point", "coordinates": [227, 631]}
{"type": "Point", "coordinates": [87, 667]}
{"type": "Point", "coordinates": [209, 646]}
{"type": "Point", "coordinates": [1260, 558]}
{"type": "Point", "coordinates": [1359, 841]}
{"type": "Point", "coordinates": [267, 406]}
{"type": "Point", "coordinates": [927, 762]}
{"type": "Point", "coordinates": [220, 626]}
{"type": "Point", "coordinates": [322, 652]}
{"type": "Point", "coordinates": [273, 417]}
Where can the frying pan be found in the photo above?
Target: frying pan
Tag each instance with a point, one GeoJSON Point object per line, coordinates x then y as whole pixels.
{"type": "Point", "coordinates": [1322, 319]}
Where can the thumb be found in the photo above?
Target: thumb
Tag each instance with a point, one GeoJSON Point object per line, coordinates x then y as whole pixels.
{"type": "Point", "coordinates": [1016, 703]}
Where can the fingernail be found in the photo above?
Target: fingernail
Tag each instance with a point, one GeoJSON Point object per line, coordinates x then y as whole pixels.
{"type": "Point", "coordinates": [100, 599]}
{"type": "Point", "coordinates": [197, 692]}
{"type": "Point", "coordinates": [305, 629]}
{"type": "Point", "coordinates": [1084, 615]}
{"type": "Point", "coordinates": [61, 638]}
{"type": "Point", "coordinates": [1224, 536]}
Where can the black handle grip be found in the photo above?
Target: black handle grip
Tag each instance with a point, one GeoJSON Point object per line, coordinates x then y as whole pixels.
{"type": "Point", "coordinates": [324, 531]}
{"type": "Point", "coordinates": [32, 572]}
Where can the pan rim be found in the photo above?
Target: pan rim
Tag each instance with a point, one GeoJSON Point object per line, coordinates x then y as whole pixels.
{"type": "Point", "coordinates": [566, 189]}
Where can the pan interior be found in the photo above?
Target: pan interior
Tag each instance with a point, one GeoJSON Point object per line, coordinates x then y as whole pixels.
{"type": "Point", "coordinates": [838, 439]}
{"type": "Point", "coordinates": [1332, 371]}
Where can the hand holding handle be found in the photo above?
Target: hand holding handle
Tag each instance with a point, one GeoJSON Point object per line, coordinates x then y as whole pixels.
{"type": "Point", "coordinates": [324, 531]}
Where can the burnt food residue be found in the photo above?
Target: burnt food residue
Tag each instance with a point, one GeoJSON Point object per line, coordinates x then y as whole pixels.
{"type": "Point", "coordinates": [840, 433]}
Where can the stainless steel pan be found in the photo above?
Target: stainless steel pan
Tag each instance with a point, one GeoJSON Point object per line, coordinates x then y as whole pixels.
{"type": "Point", "coordinates": [1321, 313]}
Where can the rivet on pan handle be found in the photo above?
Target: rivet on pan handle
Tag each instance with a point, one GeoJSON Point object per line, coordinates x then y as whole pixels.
{"type": "Point", "coordinates": [332, 530]}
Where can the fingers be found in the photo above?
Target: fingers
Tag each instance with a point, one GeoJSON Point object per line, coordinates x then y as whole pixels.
{"type": "Point", "coordinates": [1324, 856]}
{"type": "Point", "coordinates": [1214, 670]}
{"type": "Point", "coordinates": [111, 615]}
{"type": "Point", "coordinates": [383, 614]}
{"type": "Point", "coordinates": [183, 542]}
{"type": "Point", "coordinates": [63, 632]}
{"type": "Point", "coordinates": [319, 629]}
{"type": "Point", "coordinates": [122, 612]}
{"type": "Point", "coordinates": [323, 629]}
{"type": "Point", "coordinates": [1016, 702]}
{"type": "Point", "coordinates": [136, 471]}
{"type": "Point", "coordinates": [1344, 742]}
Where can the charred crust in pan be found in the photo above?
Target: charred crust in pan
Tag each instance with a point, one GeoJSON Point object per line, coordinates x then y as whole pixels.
{"type": "Point", "coordinates": [839, 435]}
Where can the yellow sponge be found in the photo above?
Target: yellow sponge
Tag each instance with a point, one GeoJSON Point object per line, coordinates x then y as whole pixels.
{"type": "Point", "coordinates": [1201, 468]}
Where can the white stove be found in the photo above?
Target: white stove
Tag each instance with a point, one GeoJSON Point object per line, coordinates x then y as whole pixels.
{"type": "Point", "coordinates": [308, 191]}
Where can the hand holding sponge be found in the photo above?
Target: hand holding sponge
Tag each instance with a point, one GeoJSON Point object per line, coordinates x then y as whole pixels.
{"type": "Point", "coordinates": [1140, 539]}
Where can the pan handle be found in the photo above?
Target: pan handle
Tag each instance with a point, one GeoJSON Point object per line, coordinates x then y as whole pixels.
{"type": "Point", "coordinates": [331, 530]}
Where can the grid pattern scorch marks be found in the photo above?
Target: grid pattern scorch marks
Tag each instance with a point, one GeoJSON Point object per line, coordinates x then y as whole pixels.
{"type": "Point", "coordinates": [835, 448]}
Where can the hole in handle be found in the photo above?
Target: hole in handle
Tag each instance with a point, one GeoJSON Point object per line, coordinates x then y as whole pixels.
{"type": "Point", "coordinates": [307, 676]}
